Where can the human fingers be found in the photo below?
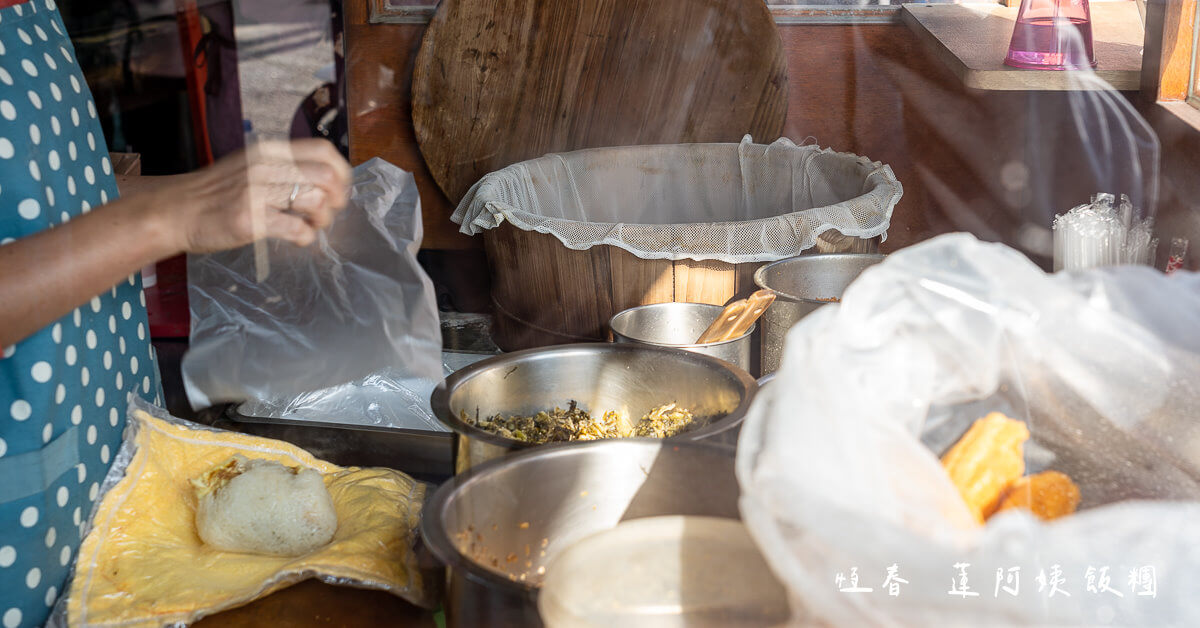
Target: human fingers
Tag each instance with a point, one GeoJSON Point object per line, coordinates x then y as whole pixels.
{"type": "Point", "coordinates": [323, 151]}
{"type": "Point", "coordinates": [308, 150]}
{"type": "Point", "coordinates": [312, 204]}
{"type": "Point", "coordinates": [324, 177]}
{"type": "Point", "coordinates": [292, 228]}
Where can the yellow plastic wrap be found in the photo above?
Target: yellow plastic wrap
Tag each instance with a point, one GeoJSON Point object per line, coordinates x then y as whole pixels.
{"type": "Point", "coordinates": [142, 563]}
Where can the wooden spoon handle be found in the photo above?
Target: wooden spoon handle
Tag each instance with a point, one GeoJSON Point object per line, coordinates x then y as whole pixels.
{"type": "Point", "coordinates": [756, 305]}
{"type": "Point", "coordinates": [725, 322]}
{"type": "Point", "coordinates": [738, 317]}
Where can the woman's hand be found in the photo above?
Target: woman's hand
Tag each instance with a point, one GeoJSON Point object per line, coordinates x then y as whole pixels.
{"type": "Point", "coordinates": [242, 198]}
{"type": "Point", "coordinates": [284, 190]}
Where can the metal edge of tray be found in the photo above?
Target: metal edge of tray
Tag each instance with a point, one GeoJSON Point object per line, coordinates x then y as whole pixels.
{"type": "Point", "coordinates": [424, 454]}
{"type": "Point", "coordinates": [233, 414]}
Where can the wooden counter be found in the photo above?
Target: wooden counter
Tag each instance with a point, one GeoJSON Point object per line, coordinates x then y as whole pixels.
{"type": "Point", "coordinates": [314, 603]}
{"type": "Point", "coordinates": [972, 40]}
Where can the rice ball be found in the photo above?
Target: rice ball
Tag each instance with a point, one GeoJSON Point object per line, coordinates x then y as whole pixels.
{"type": "Point", "coordinates": [264, 507]}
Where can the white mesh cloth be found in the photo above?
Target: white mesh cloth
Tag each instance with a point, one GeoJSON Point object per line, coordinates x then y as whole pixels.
{"type": "Point", "coordinates": [735, 203]}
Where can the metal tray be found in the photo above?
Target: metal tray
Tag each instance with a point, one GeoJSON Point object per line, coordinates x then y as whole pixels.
{"type": "Point", "coordinates": [425, 455]}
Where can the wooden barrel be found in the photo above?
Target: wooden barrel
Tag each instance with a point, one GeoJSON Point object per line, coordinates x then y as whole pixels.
{"type": "Point", "coordinates": [544, 293]}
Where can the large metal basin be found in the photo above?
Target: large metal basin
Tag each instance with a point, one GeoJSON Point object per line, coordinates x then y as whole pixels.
{"type": "Point", "coordinates": [629, 378]}
{"type": "Point", "coordinates": [497, 525]}
{"type": "Point", "coordinates": [803, 284]}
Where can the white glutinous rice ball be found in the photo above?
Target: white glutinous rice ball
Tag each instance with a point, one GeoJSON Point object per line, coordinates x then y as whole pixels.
{"type": "Point", "coordinates": [264, 507]}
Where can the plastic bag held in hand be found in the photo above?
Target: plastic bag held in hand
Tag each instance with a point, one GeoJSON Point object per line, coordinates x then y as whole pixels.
{"type": "Point", "coordinates": [352, 304]}
{"type": "Point", "coordinates": [838, 458]}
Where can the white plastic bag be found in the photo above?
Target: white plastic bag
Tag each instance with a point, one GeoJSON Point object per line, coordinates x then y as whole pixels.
{"type": "Point", "coordinates": [838, 458]}
{"type": "Point", "coordinates": [354, 304]}
{"type": "Point", "coordinates": [735, 203]}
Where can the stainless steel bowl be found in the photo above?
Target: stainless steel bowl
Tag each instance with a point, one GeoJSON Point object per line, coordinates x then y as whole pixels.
{"type": "Point", "coordinates": [678, 325]}
{"type": "Point", "coordinates": [803, 284]}
{"type": "Point", "coordinates": [497, 525]}
{"type": "Point", "coordinates": [632, 379]}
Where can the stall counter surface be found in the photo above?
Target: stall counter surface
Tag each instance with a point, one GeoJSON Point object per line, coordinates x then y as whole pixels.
{"type": "Point", "coordinates": [314, 603]}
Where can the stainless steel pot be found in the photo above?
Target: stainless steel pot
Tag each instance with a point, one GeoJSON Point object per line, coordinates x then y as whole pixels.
{"type": "Point", "coordinates": [497, 525]}
{"type": "Point", "coordinates": [803, 284]}
{"type": "Point", "coordinates": [678, 325]}
{"type": "Point", "coordinates": [628, 378]}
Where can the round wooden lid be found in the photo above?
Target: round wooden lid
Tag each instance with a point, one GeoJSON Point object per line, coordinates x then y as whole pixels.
{"type": "Point", "coordinates": [501, 81]}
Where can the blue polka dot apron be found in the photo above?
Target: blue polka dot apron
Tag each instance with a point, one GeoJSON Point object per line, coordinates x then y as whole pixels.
{"type": "Point", "coordinates": [63, 390]}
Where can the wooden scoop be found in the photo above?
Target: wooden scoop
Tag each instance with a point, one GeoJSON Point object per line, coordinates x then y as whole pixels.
{"type": "Point", "coordinates": [737, 317]}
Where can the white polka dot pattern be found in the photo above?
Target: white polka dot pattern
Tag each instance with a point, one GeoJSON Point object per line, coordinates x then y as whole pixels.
{"type": "Point", "coordinates": [33, 578]}
{"type": "Point", "coordinates": [20, 410]}
{"type": "Point", "coordinates": [41, 372]}
{"type": "Point", "coordinates": [29, 209]}
{"type": "Point", "coordinates": [72, 378]}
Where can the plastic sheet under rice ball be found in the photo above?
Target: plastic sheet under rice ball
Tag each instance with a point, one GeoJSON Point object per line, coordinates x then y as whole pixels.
{"type": "Point", "coordinates": [142, 562]}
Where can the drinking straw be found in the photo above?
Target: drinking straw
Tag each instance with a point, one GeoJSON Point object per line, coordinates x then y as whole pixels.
{"type": "Point", "coordinates": [1178, 251]}
{"type": "Point", "coordinates": [1104, 232]}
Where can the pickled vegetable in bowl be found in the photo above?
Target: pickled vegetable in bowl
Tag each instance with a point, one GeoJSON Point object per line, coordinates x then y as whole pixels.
{"type": "Point", "coordinates": [572, 424]}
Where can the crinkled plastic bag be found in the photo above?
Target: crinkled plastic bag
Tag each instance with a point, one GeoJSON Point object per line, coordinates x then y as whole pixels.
{"type": "Point", "coordinates": [735, 203]}
{"type": "Point", "coordinates": [387, 398]}
{"type": "Point", "coordinates": [838, 458]}
{"type": "Point", "coordinates": [352, 305]}
{"type": "Point", "coordinates": [141, 562]}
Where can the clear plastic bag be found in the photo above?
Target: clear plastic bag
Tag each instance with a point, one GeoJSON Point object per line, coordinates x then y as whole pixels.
{"type": "Point", "coordinates": [384, 399]}
{"type": "Point", "coordinates": [838, 458]}
{"type": "Point", "coordinates": [352, 305]}
{"type": "Point", "coordinates": [735, 203]}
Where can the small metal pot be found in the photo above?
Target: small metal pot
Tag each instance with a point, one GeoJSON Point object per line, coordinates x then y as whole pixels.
{"type": "Point", "coordinates": [803, 284]}
{"type": "Point", "coordinates": [497, 525]}
{"type": "Point", "coordinates": [678, 325]}
{"type": "Point", "coordinates": [629, 378]}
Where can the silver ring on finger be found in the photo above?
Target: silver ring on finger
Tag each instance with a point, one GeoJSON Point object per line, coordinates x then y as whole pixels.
{"type": "Point", "coordinates": [292, 196]}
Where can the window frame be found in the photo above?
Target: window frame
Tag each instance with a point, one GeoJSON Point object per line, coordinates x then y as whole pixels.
{"type": "Point", "coordinates": [1169, 55]}
{"type": "Point", "coordinates": [1193, 92]}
